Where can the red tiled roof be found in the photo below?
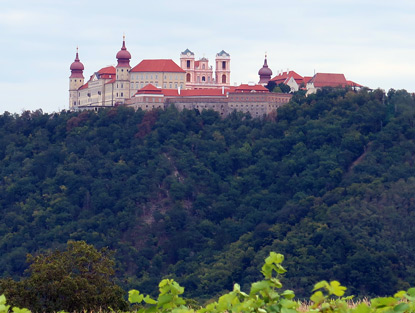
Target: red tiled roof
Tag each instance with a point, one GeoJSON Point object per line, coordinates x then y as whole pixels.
{"type": "Point", "coordinates": [110, 70]}
{"type": "Point", "coordinates": [203, 92]}
{"type": "Point", "coordinates": [170, 92]}
{"type": "Point", "coordinates": [161, 65]}
{"type": "Point", "coordinates": [249, 88]}
{"type": "Point", "coordinates": [283, 77]}
{"type": "Point", "coordinates": [353, 84]}
{"type": "Point", "coordinates": [307, 79]}
{"type": "Point", "coordinates": [149, 89]}
{"type": "Point", "coordinates": [207, 92]}
{"type": "Point", "coordinates": [328, 80]}
{"type": "Point", "coordinates": [83, 86]}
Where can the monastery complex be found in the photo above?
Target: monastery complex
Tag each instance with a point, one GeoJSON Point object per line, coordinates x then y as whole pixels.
{"type": "Point", "coordinates": [193, 85]}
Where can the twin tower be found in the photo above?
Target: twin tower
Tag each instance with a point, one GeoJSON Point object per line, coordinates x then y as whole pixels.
{"type": "Point", "coordinates": [115, 85]}
{"type": "Point", "coordinates": [200, 75]}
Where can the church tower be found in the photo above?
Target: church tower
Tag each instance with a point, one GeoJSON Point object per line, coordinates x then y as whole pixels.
{"type": "Point", "coordinates": [223, 68]}
{"type": "Point", "coordinates": [76, 80]}
{"type": "Point", "coordinates": [122, 81]}
{"type": "Point", "coordinates": [264, 73]}
{"type": "Point", "coordinates": [187, 63]}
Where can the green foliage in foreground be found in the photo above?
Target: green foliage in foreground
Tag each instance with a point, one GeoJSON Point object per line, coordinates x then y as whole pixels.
{"type": "Point", "coordinates": [264, 296]}
{"type": "Point", "coordinates": [77, 279]}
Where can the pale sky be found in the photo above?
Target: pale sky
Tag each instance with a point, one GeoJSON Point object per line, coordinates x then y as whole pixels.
{"type": "Point", "coordinates": [370, 41]}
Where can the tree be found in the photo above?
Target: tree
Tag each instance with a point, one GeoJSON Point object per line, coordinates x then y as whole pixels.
{"type": "Point", "coordinates": [77, 279]}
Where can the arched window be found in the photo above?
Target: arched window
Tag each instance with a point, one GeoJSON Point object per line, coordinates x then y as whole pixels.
{"type": "Point", "coordinates": [188, 77]}
{"type": "Point", "coordinates": [223, 79]}
{"type": "Point", "coordinates": [203, 78]}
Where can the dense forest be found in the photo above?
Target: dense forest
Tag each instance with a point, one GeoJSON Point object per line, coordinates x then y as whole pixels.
{"type": "Point", "coordinates": [328, 181]}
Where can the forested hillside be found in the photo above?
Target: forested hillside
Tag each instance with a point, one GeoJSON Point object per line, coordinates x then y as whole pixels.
{"type": "Point", "coordinates": [329, 182]}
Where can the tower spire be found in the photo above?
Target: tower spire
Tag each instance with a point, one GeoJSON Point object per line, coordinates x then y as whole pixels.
{"type": "Point", "coordinates": [77, 67]}
{"type": "Point", "coordinates": [76, 80]}
{"type": "Point", "coordinates": [123, 56]}
{"type": "Point", "coordinates": [265, 72]}
{"type": "Point", "coordinates": [77, 55]}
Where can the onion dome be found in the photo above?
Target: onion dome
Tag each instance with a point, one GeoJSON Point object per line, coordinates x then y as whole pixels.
{"type": "Point", "coordinates": [264, 73]}
{"type": "Point", "coordinates": [123, 56]}
{"type": "Point", "coordinates": [265, 70]}
{"type": "Point", "coordinates": [77, 67]}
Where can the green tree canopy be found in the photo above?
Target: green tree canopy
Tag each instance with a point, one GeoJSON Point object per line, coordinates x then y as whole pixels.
{"type": "Point", "coordinates": [79, 278]}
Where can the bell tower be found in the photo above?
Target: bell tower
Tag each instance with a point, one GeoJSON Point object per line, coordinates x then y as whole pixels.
{"type": "Point", "coordinates": [264, 73]}
{"type": "Point", "coordinates": [187, 63]}
{"type": "Point", "coordinates": [76, 80]}
{"type": "Point", "coordinates": [223, 68]}
{"type": "Point", "coordinates": [122, 81]}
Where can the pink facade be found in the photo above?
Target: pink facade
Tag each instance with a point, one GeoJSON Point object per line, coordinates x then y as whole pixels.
{"type": "Point", "coordinates": [199, 74]}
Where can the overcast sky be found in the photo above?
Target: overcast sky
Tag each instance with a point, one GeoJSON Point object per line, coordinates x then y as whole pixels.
{"type": "Point", "coordinates": [370, 41]}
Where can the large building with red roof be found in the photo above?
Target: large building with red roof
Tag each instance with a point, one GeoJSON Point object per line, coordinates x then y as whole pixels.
{"type": "Point", "coordinates": [309, 83]}
{"type": "Point", "coordinates": [115, 85]}
{"type": "Point", "coordinates": [289, 78]}
{"type": "Point", "coordinates": [163, 73]}
{"type": "Point", "coordinates": [321, 80]}
{"type": "Point", "coordinates": [255, 99]}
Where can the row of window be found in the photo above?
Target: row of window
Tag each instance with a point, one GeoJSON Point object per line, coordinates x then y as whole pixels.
{"type": "Point", "coordinates": [203, 79]}
{"type": "Point", "coordinates": [150, 99]}
{"type": "Point", "coordinates": [141, 85]}
{"type": "Point", "coordinates": [188, 65]}
{"type": "Point", "coordinates": [155, 76]}
{"type": "Point", "coordinates": [203, 65]}
{"type": "Point", "coordinates": [249, 98]}
{"type": "Point", "coordinates": [246, 105]}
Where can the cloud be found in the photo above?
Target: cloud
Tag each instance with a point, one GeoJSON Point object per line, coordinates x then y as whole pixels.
{"type": "Point", "coordinates": [15, 18]}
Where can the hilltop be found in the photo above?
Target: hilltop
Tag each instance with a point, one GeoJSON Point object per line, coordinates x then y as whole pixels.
{"type": "Point", "coordinates": [328, 182]}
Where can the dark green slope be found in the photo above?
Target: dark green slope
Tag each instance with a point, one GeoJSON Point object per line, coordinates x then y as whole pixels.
{"type": "Point", "coordinates": [203, 199]}
{"type": "Point", "coordinates": [360, 232]}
